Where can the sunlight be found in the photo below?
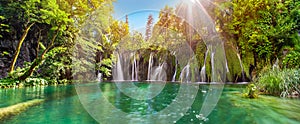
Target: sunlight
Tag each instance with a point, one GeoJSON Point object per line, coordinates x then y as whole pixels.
{"type": "Point", "coordinates": [193, 1]}
{"type": "Point", "coordinates": [189, 2]}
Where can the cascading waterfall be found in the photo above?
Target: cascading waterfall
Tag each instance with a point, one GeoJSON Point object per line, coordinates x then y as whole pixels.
{"type": "Point", "coordinates": [99, 77]}
{"type": "Point", "coordinates": [243, 72]}
{"type": "Point", "coordinates": [203, 69]}
{"type": "Point", "coordinates": [227, 69]}
{"type": "Point", "coordinates": [275, 65]}
{"type": "Point", "coordinates": [213, 78]}
{"type": "Point", "coordinates": [120, 75]}
{"type": "Point", "coordinates": [174, 76]}
{"type": "Point", "coordinates": [150, 66]}
{"type": "Point", "coordinates": [185, 74]}
{"type": "Point", "coordinates": [157, 74]}
{"type": "Point", "coordinates": [134, 70]}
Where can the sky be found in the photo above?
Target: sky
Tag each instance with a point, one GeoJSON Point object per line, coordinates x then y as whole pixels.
{"type": "Point", "coordinates": [139, 10]}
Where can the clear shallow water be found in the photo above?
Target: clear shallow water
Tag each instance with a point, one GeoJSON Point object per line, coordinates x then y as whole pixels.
{"type": "Point", "coordinates": [62, 106]}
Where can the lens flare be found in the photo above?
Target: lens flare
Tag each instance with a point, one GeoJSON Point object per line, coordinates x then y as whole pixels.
{"type": "Point", "coordinates": [189, 2]}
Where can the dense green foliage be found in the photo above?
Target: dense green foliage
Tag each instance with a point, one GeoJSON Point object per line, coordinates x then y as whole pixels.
{"type": "Point", "coordinates": [51, 27]}
{"type": "Point", "coordinates": [261, 29]}
{"type": "Point", "coordinates": [291, 60]}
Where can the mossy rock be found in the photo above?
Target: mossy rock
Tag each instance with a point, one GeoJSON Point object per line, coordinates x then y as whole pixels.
{"type": "Point", "coordinates": [17, 108]}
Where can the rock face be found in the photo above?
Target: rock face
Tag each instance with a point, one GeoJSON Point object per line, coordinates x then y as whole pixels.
{"type": "Point", "coordinates": [7, 50]}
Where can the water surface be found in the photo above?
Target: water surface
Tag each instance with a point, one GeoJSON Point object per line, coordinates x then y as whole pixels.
{"type": "Point", "coordinates": [62, 106]}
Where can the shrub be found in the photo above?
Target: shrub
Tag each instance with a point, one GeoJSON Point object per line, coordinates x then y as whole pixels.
{"type": "Point", "coordinates": [7, 82]}
{"type": "Point", "coordinates": [251, 91]}
{"type": "Point", "coordinates": [292, 59]}
{"type": "Point", "coordinates": [284, 83]}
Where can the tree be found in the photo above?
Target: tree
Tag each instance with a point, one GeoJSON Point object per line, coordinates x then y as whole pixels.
{"type": "Point", "coordinates": [172, 29]}
{"type": "Point", "coordinates": [118, 30]}
{"type": "Point", "coordinates": [52, 24]}
{"type": "Point", "coordinates": [58, 20]}
{"type": "Point", "coordinates": [97, 40]}
{"type": "Point", "coordinates": [149, 27]}
{"type": "Point", "coordinates": [262, 27]}
{"type": "Point", "coordinates": [28, 16]}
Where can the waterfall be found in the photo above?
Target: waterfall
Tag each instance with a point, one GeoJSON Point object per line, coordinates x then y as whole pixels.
{"type": "Point", "coordinates": [227, 69]}
{"type": "Point", "coordinates": [134, 70]}
{"type": "Point", "coordinates": [174, 76]}
{"type": "Point", "coordinates": [150, 66]}
{"type": "Point", "coordinates": [213, 78]}
{"type": "Point", "coordinates": [185, 74]}
{"type": "Point", "coordinates": [157, 74]}
{"type": "Point", "coordinates": [276, 66]}
{"type": "Point", "coordinates": [120, 76]}
{"type": "Point", "coordinates": [203, 69]}
{"type": "Point", "coordinates": [99, 77]}
{"type": "Point", "coordinates": [243, 72]}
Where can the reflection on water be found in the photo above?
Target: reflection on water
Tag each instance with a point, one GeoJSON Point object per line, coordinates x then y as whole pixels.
{"type": "Point", "coordinates": [63, 106]}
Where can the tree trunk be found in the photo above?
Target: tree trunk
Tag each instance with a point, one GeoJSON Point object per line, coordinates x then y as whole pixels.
{"type": "Point", "coordinates": [255, 59]}
{"type": "Point", "coordinates": [38, 60]}
{"type": "Point", "coordinates": [15, 57]}
{"type": "Point", "coordinates": [28, 73]}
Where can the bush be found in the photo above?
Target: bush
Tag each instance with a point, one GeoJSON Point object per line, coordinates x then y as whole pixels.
{"type": "Point", "coordinates": [7, 83]}
{"type": "Point", "coordinates": [35, 82]}
{"type": "Point", "coordinates": [283, 83]}
{"type": "Point", "coordinates": [292, 59]}
{"type": "Point", "coordinates": [251, 91]}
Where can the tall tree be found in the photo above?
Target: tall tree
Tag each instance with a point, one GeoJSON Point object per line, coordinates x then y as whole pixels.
{"type": "Point", "coordinates": [127, 22]}
{"type": "Point", "coordinates": [149, 27]}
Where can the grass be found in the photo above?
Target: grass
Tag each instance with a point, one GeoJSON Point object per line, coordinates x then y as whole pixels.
{"type": "Point", "coordinates": [283, 83]}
